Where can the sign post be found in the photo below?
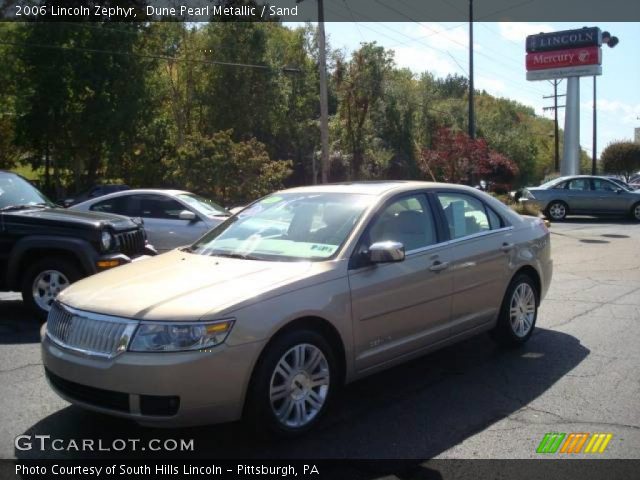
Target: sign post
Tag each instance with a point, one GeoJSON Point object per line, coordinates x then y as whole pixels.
{"type": "Point", "coordinates": [569, 54]}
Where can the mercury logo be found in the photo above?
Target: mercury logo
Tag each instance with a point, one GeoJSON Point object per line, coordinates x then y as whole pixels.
{"type": "Point", "coordinates": [583, 56]}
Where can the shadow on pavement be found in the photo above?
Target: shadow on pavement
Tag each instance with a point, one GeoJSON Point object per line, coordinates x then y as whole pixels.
{"type": "Point", "coordinates": [590, 220]}
{"type": "Point", "coordinates": [413, 411]}
{"type": "Point", "coordinates": [17, 324]}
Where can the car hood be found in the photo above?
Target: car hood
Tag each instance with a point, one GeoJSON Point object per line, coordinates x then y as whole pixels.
{"type": "Point", "coordinates": [182, 286]}
{"type": "Point", "coordinates": [75, 218]}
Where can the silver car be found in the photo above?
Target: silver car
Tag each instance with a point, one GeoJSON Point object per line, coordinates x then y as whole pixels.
{"type": "Point", "coordinates": [172, 218]}
{"type": "Point", "coordinates": [302, 291]}
{"type": "Point", "coordinates": [583, 194]}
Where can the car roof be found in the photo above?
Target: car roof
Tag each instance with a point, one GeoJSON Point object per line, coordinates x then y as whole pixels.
{"type": "Point", "coordinates": [376, 188]}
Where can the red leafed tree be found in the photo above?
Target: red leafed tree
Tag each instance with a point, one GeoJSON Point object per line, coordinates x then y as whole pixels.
{"type": "Point", "coordinates": [456, 157]}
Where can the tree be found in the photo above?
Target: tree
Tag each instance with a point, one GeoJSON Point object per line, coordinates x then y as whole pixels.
{"type": "Point", "coordinates": [360, 84]}
{"type": "Point", "coordinates": [621, 158]}
{"type": "Point", "coordinates": [231, 172]}
{"type": "Point", "coordinates": [455, 158]}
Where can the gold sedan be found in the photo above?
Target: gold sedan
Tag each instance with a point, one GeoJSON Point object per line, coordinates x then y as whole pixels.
{"type": "Point", "coordinates": [304, 290]}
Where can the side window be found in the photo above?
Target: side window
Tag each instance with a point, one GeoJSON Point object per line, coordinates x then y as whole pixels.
{"type": "Point", "coordinates": [465, 215]}
{"type": "Point", "coordinates": [560, 186]}
{"type": "Point", "coordinates": [579, 184]}
{"type": "Point", "coordinates": [603, 185]}
{"type": "Point", "coordinates": [408, 220]}
{"type": "Point", "coordinates": [158, 206]}
{"type": "Point", "coordinates": [494, 219]}
{"type": "Point", "coordinates": [117, 205]}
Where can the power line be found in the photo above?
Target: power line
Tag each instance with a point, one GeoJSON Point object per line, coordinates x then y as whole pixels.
{"type": "Point", "coordinates": [151, 56]}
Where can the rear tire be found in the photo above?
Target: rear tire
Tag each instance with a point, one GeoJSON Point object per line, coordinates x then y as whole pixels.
{"type": "Point", "coordinates": [43, 280]}
{"type": "Point", "coordinates": [293, 384]}
{"type": "Point", "coordinates": [557, 211]}
{"type": "Point", "coordinates": [518, 313]}
{"type": "Point", "coordinates": [635, 212]}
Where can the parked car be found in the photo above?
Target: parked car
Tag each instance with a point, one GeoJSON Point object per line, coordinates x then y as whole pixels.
{"type": "Point", "coordinates": [305, 289]}
{"type": "Point", "coordinates": [43, 249]}
{"type": "Point", "coordinates": [172, 218]}
{"type": "Point", "coordinates": [93, 192]}
{"type": "Point", "coordinates": [583, 194]}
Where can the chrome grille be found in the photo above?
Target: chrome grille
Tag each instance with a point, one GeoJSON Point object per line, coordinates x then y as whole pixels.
{"type": "Point", "coordinates": [87, 332]}
{"type": "Point", "coordinates": [131, 243]}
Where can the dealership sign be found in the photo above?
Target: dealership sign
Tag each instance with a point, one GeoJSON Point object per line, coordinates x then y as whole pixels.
{"type": "Point", "coordinates": [582, 37]}
{"type": "Point", "coordinates": [551, 73]}
{"type": "Point", "coordinates": [569, 53]}
{"type": "Point", "coordinates": [573, 57]}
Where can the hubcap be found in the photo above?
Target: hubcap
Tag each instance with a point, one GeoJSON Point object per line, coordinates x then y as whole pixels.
{"type": "Point", "coordinates": [46, 286]}
{"type": "Point", "coordinates": [299, 385]}
{"type": "Point", "coordinates": [557, 210]}
{"type": "Point", "coordinates": [636, 212]}
{"type": "Point", "coordinates": [522, 310]}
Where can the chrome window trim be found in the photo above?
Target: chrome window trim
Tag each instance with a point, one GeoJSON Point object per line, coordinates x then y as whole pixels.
{"type": "Point", "coordinates": [127, 335]}
{"type": "Point", "coordinates": [458, 240]}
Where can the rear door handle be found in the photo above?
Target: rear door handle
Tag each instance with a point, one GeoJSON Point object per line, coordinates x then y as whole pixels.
{"type": "Point", "coordinates": [439, 266]}
{"type": "Point", "coordinates": [506, 247]}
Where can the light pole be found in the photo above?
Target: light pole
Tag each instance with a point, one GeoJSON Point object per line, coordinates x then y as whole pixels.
{"type": "Point", "coordinates": [472, 119]}
{"type": "Point", "coordinates": [324, 98]}
{"type": "Point", "coordinates": [611, 42]}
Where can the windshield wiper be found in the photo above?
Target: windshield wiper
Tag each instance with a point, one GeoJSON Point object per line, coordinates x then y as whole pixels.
{"type": "Point", "coordinates": [236, 255]}
{"type": "Point", "coordinates": [23, 206]}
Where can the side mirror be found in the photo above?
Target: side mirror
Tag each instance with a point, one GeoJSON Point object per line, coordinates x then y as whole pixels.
{"type": "Point", "coordinates": [187, 215]}
{"type": "Point", "coordinates": [386, 252]}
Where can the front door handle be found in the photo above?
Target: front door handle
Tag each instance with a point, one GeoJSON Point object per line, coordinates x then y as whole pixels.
{"type": "Point", "coordinates": [506, 247]}
{"type": "Point", "coordinates": [438, 266]}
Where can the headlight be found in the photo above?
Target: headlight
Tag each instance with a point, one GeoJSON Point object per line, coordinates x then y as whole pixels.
{"type": "Point", "coordinates": [106, 240]}
{"type": "Point", "coordinates": [174, 337]}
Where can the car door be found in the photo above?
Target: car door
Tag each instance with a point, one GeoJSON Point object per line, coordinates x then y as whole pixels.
{"type": "Point", "coordinates": [399, 308]}
{"type": "Point", "coordinates": [579, 196]}
{"type": "Point", "coordinates": [480, 245]}
{"type": "Point", "coordinates": [609, 197]}
{"type": "Point", "coordinates": [161, 215]}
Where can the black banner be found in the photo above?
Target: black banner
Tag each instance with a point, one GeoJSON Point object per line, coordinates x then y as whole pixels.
{"type": "Point", "coordinates": [334, 10]}
{"type": "Point", "coordinates": [582, 469]}
{"type": "Point", "coordinates": [583, 37]}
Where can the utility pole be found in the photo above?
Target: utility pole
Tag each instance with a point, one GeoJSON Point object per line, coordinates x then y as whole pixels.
{"type": "Point", "coordinates": [324, 98]}
{"type": "Point", "coordinates": [594, 155]}
{"type": "Point", "coordinates": [472, 119]}
{"type": "Point", "coordinates": [556, 135]}
{"type": "Point", "coordinates": [324, 102]}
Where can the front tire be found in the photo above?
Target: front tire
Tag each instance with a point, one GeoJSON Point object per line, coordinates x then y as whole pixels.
{"type": "Point", "coordinates": [293, 384]}
{"type": "Point", "coordinates": [557, 211]}
{"type": "Point", "coordinates": [518, 313]}
{"type": "Point", "coordinates": [635, 212]}
{"type": "Point", "coordinates": [43, 280]}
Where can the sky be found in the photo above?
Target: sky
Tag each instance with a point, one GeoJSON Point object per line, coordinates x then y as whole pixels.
{"type": "Point", "coordinates": [442, 48]}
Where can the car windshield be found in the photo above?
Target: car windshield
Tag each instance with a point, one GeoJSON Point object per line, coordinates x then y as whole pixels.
{"type": "Point", "coordinates": [16, 191]}
{"type": "Point", "coordinates": [203, 205]}
{"type": "Point", "coordinates": [287, 226]}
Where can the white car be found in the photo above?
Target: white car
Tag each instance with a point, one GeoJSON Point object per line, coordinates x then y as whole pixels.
{"type": "Point", "coordinates": [172, 218]}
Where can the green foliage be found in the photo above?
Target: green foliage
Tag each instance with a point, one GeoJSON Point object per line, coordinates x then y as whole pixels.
{"type": "Point", "coordinates": [211, 107]}
{"type": "Point", "coordinates": [621, 158]}
{"type": "Point", "coordinates": [230, 171]}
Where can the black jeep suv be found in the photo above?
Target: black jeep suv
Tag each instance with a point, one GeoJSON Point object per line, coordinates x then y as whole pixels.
{"type": "Point", "coordinates": [44, 248]}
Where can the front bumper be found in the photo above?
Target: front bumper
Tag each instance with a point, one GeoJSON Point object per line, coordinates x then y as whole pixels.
{"type": "Point", "coordinates": [112, 260]}
{"type": "Point", "coordinates": [156, 389]}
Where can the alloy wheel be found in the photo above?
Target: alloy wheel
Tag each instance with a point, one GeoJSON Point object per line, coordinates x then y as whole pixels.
{"type": "Point", "coordinates": [299, 385]}
{"type": "Point", "coordinates": [636, 212]}
{"type": "Point", "coordinates": [557, 211]}
{"type": "Point", "coordinates": [46, 286]}
{"type": "Point", "coordinates": [522, 310]}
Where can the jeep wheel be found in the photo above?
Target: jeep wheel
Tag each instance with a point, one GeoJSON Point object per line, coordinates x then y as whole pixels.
{"type": "Point", "coordinates": [44, 280]}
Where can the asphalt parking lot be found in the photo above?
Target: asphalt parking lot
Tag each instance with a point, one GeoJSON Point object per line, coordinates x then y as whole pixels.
{"type": "Point", "coordinates": [579, 373]}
